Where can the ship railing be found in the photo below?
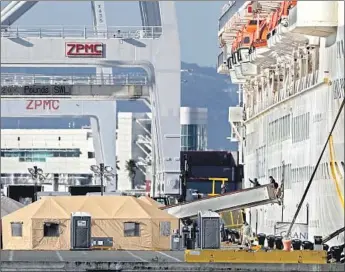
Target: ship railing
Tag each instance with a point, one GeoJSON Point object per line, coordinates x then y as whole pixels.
{"type": "Point", "coordinates": [120, 80]}
{"type": "Point", "coordinates": [220, 59]}
{"type": "Point", "coordinates": [291, 89]}
{"type": "Point", "coordinates": [82, 32]}
{"type": "Point", "coordinates": [227, 13]}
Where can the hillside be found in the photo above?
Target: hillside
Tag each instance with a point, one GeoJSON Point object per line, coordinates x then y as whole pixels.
{"type": "Point", "coordinates": [201, 87]}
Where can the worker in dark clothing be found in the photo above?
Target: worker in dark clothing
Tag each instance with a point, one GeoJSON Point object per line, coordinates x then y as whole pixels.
{"type": "Point", "coordinates": [223, 189]}
{"type": "Point", "coordinates": [272, 180]}
{"type": "Point", "coordinates": [255, 182]}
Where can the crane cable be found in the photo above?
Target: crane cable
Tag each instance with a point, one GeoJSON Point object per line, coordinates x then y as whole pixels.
{"type": "Point", "coordinates": [315, 169]}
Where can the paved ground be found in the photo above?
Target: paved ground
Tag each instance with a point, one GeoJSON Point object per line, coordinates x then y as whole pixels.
{"type": "Point", "coordinates": [92, 256]}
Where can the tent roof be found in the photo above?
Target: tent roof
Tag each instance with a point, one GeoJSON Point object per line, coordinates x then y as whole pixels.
{"type": "Point", "coordinates": [8, 205]}
{"type": "Point", "coordinates": [150, 201]}
{"type": "Point", "coordinates": [100, 207]}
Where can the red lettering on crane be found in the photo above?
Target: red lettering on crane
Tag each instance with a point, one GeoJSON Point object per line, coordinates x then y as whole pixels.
{"type": "Point", "coordinates": [51, 105]}
{"type": "Point", "coordinates": [84, 49]}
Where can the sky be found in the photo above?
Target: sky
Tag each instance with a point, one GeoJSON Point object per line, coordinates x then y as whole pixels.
{"type": "Point", "coordinates": [198, 22]}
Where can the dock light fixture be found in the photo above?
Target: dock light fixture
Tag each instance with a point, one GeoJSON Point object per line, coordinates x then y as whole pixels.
{"type": "Point", "coordinates": [37, 175]}
{"type": "Point", "coordinates": [102, 171]}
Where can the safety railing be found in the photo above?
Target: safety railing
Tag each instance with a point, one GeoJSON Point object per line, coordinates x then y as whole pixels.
{"type": "Point", "coordinates": [120, 80]}
{"type": "Point", "coordinates": [220, 60]}
{"type": "Point", "coordinates": [227, 13]}
{"type": "Point", "coordinates": [82, 32]}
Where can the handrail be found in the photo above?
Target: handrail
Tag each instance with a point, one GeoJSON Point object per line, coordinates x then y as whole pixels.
{"type": "Point", "coordinates": [120, 80]}
{"type": "Point", "coordinates": [83, 32]}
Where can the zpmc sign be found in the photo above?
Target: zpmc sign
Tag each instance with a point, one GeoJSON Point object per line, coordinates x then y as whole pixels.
{"type": "Point", "coordinates": [94, 50]}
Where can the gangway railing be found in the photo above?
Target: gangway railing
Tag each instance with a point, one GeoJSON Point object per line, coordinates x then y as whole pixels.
{"type": "Point", "coordinates": [243, 199]}
{"type": "Point", "coordinates": [119, 80]}
{"type": "Point", "coordinates": [83, 32]}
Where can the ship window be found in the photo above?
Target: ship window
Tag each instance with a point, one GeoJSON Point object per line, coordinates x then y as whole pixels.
{"type": "Point", "coordinates": [246, 40]}
{"type": "Point", "coordinates": [343, 165]}
{"type": "Point", "coordinates": [90, 155]}
{"type": "Point", "coordinates": [327, 171]}
{"type": "Point", "coordinates": [307, 125]}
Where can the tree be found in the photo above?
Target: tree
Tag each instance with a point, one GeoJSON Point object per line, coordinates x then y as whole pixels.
{"type": "Point", "coordinates": [131, 168]}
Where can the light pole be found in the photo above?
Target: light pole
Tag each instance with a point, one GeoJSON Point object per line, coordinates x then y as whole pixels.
{"type": "Point", "coordinates": [36, 174]}
{"type": "Point", "coordinates": [102, 171]}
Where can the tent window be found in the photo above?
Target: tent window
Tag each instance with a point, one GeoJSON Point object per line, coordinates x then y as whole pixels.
{"type": "Point", "coordinates": [131, 229]}
{"type": "Point", "coordinates": [17, 229]}
{"type": "Point", "coordinates": [51, 230]}
{"type": "Point", "coordinates": [165, 228]}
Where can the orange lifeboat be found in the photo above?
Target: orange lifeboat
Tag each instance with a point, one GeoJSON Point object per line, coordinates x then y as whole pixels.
{"type": "Point", "coordinates": [247, 40]}
{"type": "Point", "coordinates": [260, 45]}
{"type": "Point", "coordinates": [261, 40]}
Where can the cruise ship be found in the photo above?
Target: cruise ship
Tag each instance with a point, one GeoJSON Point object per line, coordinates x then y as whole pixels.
{"type": "Point", "coordinates": [287, 58]}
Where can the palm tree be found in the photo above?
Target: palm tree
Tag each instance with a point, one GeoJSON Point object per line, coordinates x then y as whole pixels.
{"type": "Point", "coordinates": [131, 167]}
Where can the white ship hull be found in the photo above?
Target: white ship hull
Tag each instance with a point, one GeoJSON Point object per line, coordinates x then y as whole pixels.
{"type": "Point", "coordinates": [325, 198]}
{"type": "Point", "coordinates": [286, 130]}
{"type": "Point", "coordinates": [297, 141]}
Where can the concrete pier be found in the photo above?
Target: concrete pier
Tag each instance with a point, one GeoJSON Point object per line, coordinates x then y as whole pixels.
{"type": "Point", "coordinates": [94, 266]}
{"type": "Point", "coordinates": [87, 261]}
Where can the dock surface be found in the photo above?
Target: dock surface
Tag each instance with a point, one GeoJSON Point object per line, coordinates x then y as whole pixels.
{"type": "Point", "coordinates": [68, 261]}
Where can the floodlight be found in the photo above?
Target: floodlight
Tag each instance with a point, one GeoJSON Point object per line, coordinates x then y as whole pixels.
{"type": "Point", "coordinates": [94, 168]}
{"type": "Point", "coordinates": [108, 168]}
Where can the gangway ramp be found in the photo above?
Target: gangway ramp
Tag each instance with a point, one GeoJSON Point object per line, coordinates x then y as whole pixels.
{"type": "Point", "coordinates": [243, 199]}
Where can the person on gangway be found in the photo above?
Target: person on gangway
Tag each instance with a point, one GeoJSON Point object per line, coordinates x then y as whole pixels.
{"type": "Point", "coordinates": [273, 181]}
{"type": "Point", "coordinates": [255, 182]}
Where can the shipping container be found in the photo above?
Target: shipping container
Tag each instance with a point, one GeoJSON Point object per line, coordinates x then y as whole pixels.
{"type": "Point", "coordinates": [212, 172]}
{"type": "Point", "coordinates": [208, 158]}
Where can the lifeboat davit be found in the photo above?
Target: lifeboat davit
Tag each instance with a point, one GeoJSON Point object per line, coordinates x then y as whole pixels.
{"type": "Point", "coordinates": [282, 37]}
{"type": "Point", "coordinates": [236, 54]}
{"type": "Point", "coordinates": [232, 62]}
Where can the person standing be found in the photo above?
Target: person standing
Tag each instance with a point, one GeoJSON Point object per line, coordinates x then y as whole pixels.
{"type": "Point", "coordinates": [223, 189]}
{"type": "Point", "coordinates": [246, 234]}
{"type": "Point", "coordinates": [255, 182]}
{"type": "Point", "coordinates": [273, 181]}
